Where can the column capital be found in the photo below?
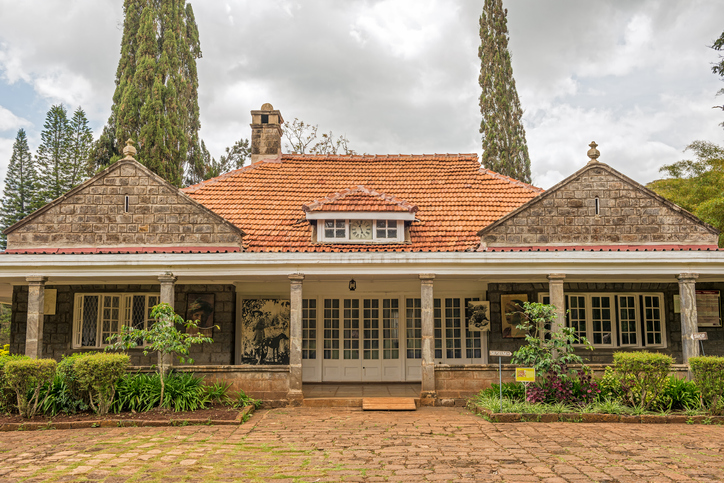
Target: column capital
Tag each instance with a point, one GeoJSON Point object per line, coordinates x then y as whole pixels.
{"type": "Point", "coordinates": [167, 277]}
{"type": "Point", "coordinates": [427, 277]}
{"type": "Point", "coordinates": [36, 279]}
{"type": "Point", "coordinates": [296, 277]}
{"type": "Point", "coordinates": [556, 277]}
{"type": "Point", "coordinates": [687, 277]}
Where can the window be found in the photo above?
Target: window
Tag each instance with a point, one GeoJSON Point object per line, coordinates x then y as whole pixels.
{"type": "Point", "coordinates": [361, 231]}
{"type": "Point", "coordinates": [351, 328]}
{"type": "Point", "coordinates": [414, 328]}
{"type": "Point", "coordinates": [331, 329]}
{"type": "Point", "coordinates": [390, 329]}
{"type": "Point", "coordinates": [309, 329]}
{"type": "Point", "coordinates": [618, 320]}
{"type": "Point", "coordinates": [98, 316]}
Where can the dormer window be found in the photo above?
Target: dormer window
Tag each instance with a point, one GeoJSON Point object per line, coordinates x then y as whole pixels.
{"type": "Point", "coordinates": [360, 215]}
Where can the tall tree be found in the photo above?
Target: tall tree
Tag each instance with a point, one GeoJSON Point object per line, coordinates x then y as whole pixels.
{"type": "Point", "coordinates": [504, 146]}
{"type": "Point", "coordinates": [156, 98]}
{"type": "Point", "coordinates": [718, 68]}
{"type": "Point", "coordinates": [80, 141]}
{"type": "Point", "coordinates": [302, 138]}
{"type": "Point", "coordinates": [52, 156]}
{"type": "Point", "coordinates": [20, 185]}
{"type": "Point", "coordinates": [697, 185]}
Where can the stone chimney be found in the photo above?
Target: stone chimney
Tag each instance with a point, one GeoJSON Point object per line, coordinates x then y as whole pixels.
{"type": "Point", "coordinates": [266, 133]}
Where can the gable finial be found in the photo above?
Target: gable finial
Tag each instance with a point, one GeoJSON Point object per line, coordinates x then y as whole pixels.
{"type": "Point", "coordinates": [129, 151]}
{"type": "Point", "coordinates": [593, 153]}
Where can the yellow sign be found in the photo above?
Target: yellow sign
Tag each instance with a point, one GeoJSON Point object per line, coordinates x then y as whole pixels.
{"type": "Point", "coordinates": [525, 374]}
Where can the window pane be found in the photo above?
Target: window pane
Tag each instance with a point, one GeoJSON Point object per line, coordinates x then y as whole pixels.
{"type": "Point", "coordinates": [390, 328]}
{"type": "Point", "coordinates": [351, 329]}
{"type": "Point", "coordinates": [331, 329]}
{"type": "Point", "coordinates": [601, 320]}
{"type": "Point", "coordinates": [89, 321]}
{"type": "Point", "coordinates": [414, 328]}
{"type": "Point", "coordinates": [627, 319]}
{"type": "Point", "coordinates": [309, 329]}
{"type": "Point", "coordinates": [371, 332]}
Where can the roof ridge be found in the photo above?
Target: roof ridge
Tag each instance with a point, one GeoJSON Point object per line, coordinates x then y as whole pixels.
{"type": "Point", "coordinates": [510, 180]}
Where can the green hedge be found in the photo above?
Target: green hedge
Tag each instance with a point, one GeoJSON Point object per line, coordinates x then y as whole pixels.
{"type": "Point", "coordinates": [27, 376]}
{"type": "Point", "coordinates": [709, 379]}
{"type": "Point", "coordinates": [8, 399]}
{"type": "Point", "coordinates": [96, 375]}
{"type": "Point", "coordinates": [643, 376]}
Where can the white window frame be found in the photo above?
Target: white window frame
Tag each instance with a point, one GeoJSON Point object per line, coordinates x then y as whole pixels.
{"type": "Point", "coordinates": [322, 237]}
{"type": "Point", "coordinates": [125, 315]}
{"type": "Point", "coordinates": [641, 334]}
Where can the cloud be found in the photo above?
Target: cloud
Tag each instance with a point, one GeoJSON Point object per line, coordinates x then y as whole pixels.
{"type": "Point", "coordinates": [11, 122]}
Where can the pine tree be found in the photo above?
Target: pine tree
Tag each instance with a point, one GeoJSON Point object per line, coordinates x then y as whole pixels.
{"type": "Point", "coordinates": [52, 156]}
{"type": "Point", "coordinates": [79, 146]}
{"type": "Point", "coordinates": [156, 97]}
{"type": "Point", "coordinates": [20, 185]}
{"type": "Point", "coordinates": [504, 147]}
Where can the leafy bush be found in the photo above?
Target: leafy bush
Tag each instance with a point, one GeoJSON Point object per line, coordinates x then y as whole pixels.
{"type": "Point", "coordinates": [678, 394]}
{"type": "Point", "coordinates": [97, 374]}
{"type": "Point", "coordinates": [514, 391]}
{"type": "Point", "coordinates": [709, 379]}
{"type": "Point", "coordinates": [5, 350]}
{"type": "Point", "coordinates": [217, 392]}
{"type": "Point", "coordinates": [610, 386]}
{"type": "Point", "coordinates": [27, 377]}
{"type": "Point", "coordinates": [243, 400]}
{"type": "Point", "coordinates": [58, 398]}
{"type": "Point", "coordinates": [579, 388]}
{"type": "Point", "coordinates": [142, 392]}
{"type": "Point", "coordinates": [8, 399]}
{"type": "Point", "coordinates": [66, 370]}
{"type": "Point", "coordinates": [643, 376]}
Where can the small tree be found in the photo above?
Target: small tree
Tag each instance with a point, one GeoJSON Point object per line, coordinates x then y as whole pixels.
{"type": "Point", "coordinates": [163, 338]}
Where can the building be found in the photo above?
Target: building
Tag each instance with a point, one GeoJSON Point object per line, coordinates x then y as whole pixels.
{"type": "Point", "coordinates": [308, 268]}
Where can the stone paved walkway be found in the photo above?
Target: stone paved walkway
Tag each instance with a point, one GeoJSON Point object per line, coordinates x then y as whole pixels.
{"type": "Point", "coordinates": [324, 444]}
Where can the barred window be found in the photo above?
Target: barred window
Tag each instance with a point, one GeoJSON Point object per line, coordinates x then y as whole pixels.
{"type": "Point", "coordinates": [98, 316]}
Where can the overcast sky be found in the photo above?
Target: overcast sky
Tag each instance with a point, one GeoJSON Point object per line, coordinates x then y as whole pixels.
{"type": "Point", "coordinates": [399, 76]}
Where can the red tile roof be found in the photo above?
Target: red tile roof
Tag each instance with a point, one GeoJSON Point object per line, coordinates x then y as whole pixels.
{"type": "Point", "coordinates": [454, 196]}
{"type": "Point", "coordinates": [360, 199]}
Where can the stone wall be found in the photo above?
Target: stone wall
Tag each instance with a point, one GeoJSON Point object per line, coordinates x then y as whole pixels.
{"type": "Point", "coordinates": [57, 337]}
{"type": "Point", "coordinates": [94, 215]}
{"type": "Point", "coordinates": [713, 346]}
{"type": "Point", "coordinates": [629, 214]}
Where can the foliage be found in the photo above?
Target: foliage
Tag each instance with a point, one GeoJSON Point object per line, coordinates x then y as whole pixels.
{"type": "Point", "coordinates": [156, 98]}
{"type": "Point", "coordinates": [697, 185]}
{"type": "Point", "coordinates": [8, 399]}
{"type": "Point", "coordinates": [142, 392]}
{"type": "Point", "coordinates": [709, 379]}
{"type": "Point", "coordinates": [301, 135]}
{"type": "Point", "coordinates": [243, 400]}
{"type": "Point", "coordinates": [678, 394]}
{"type": "Point", "coordinates": [80, 142]}
{"type": "Point", "coordinates": [577, 388]}
{"type": "Point", "coordinates": [27, 376]}
{"type": "Point", "coordinates": [643, 376]}
{"type": "Point", "coordinates": [58, 398]}
{"type": "Point", "coordinates": [234, 158]}
{"type": "Point", "coordinates": [6, 314]}
{"type": "Point", "coordinates": [514, 391]}
{"type": "Point", "coordinates": [52, 156]}
{"type": "Point", "coordinates": [5, 351]}
{"type": "Point", "coordinates": [547, 351]}
{"type": "Point", "coordinates": [718, 68]}
{"type": "Point", "coordinates": [504, 146]}
{"type": "Point", "coordinates": [217, 392]}
{"type": "Point", "coordinates": [492, 403]}
{"type": "Point", "coordinates": [97, 374]}
{"type": "Point", "coordinates": [162, 337]}
{"type": "Point", "coordinates": [20, 186]}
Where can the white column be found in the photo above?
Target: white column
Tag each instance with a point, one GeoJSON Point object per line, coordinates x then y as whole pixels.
{"type": "Point", "coordinates": [167, 295]}
{"type": "Point", "coordinates": [428, 336]}
{"type": "Point", "coordinates": [295, 337]}
{"type": "Point", "coordinates": [689, 323]}
{"type": "Point", "coordinates": [34, 326]}
{"type": "Point", "coordinates": [557, 298]}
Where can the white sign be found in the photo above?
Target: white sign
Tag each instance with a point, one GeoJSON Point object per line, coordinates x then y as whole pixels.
{"type": "Point", "coordinates": [500, 354]}
{"type": "Point", "coordinates": [700, 336]}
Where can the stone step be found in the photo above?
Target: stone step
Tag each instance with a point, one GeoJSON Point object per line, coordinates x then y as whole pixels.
{"type": "Point", "coordinates": [389, 404]}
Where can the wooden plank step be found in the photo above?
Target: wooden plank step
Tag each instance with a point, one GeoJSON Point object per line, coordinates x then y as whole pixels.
{"type": "Point", "coordinates": [388, 404]}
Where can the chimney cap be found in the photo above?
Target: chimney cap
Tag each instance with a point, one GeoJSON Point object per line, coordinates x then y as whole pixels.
{"type": "Point", "coordinates": [267, 107]}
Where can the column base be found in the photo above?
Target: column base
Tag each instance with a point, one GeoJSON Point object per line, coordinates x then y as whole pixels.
{"type": "Point", "coordinates": [295, 397]}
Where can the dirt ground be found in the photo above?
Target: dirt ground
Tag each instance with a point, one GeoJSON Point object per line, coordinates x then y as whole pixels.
{"type": "Point", "coordinates": [328, 444]}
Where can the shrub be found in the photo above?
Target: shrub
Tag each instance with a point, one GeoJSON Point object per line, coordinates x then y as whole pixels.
{"type": "Point", "coordinates": [243, 400]}
{"type": "Point", "coordinates": [216, 392]}
{"type": "Point", "coordinates": [27, 377]}
{"type": "Point", "coordinates": [643, 376]}
{"type": "Point", "coordinates": [709, 379]}
{"type": "Point", "coordinates": [58, 398]}
{"type": "Point", "coordinates": [610, 386]}
{"type": "Point", "coordinates": [514, 391]}
{"type": "Point", "coordinates": [185, 392]}
{"type": "Point", "coordinates": [578, 388]}
{"type": "Point", "coordinates": [96, 375]}
{"type": "Point", "coordinates": [5, 350]}
{"type": "Point", "coordinates": [141, 392]}
{"type": "Point", "coordinates": [8, 399]}
{"type": "Point", "coordinates": [66, 370]}
{"type": "Point", "coordinates": [678, 394]}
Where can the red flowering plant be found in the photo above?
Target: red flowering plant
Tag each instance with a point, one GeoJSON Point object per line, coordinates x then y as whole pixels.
{"type": "Point", "coordinates": [549, 349]}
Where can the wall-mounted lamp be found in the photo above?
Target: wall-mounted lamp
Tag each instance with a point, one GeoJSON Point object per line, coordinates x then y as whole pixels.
{"type": "Point", "coordinates": [352, 285]}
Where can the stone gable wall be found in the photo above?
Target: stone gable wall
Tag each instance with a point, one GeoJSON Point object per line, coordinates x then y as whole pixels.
{"type": "Point", "coordinates": [95, 216]}
{"type": "Point", "coordinates": [628, 215]}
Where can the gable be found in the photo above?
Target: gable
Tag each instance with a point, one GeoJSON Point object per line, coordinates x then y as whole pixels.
{"type": "Point", "coordinates": [360, 199]}
{"type": "Point", "coordinates": [628, 214]}
{"type": "Point", "coordinates": [94, 215]}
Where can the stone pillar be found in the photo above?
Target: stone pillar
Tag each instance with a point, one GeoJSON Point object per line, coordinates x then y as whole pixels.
{"type": "Point", "coordinates": [428, 336]}
{"type": "Point", "coordinates": [689, 323]}
{"type": "Point", "coordinates": [295, 337]}
{"type": "Point", "coordinates": [168, 296]}
{"type": "Point", "coordinates": [557, 298]}
{"type": "Point", "coordinates": [34, 327]}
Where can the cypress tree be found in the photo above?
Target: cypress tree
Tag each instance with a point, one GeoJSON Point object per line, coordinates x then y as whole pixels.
{"type": "Point", "coordinates": [52, 156]}
{"type": "Point", "coordinates": [20, 185]}
{"type": "Point", "coordinates": [79, 146]}
{"type": "Point", "coordinates": [156, 98]}
{"type": "Point", "coordinates": [504, 147]}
